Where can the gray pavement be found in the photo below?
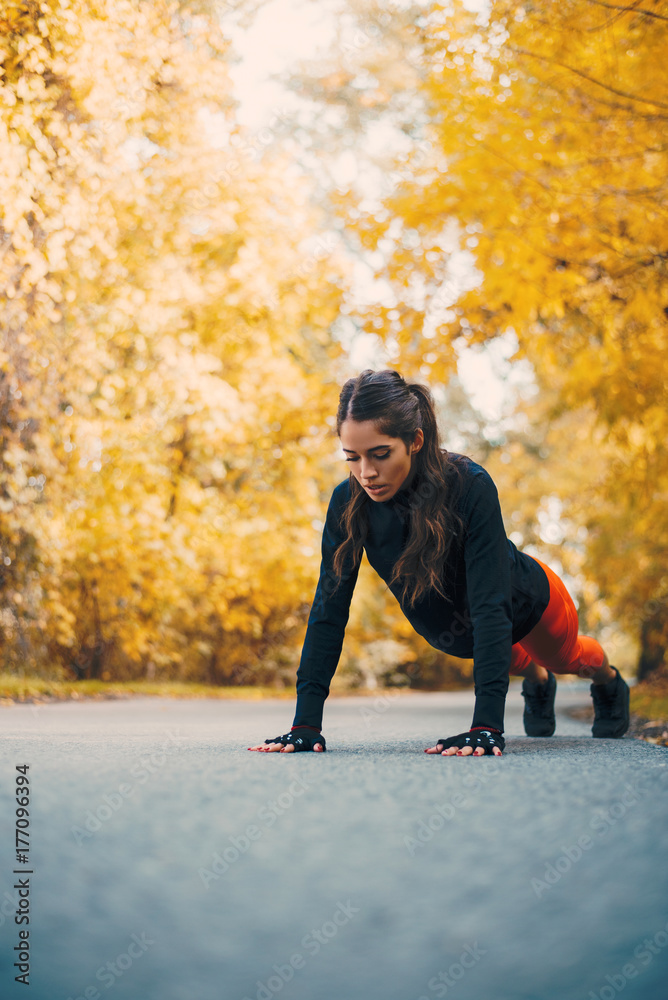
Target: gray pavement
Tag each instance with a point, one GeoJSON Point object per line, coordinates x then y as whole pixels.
{"type": "Point", "coordinates": [172, 864]}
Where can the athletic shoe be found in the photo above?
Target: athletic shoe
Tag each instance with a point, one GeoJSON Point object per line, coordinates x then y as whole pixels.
{"type": "Point", "coordinates": [539, 717]}
{"type": "Point", "coordinates": [611, 708]}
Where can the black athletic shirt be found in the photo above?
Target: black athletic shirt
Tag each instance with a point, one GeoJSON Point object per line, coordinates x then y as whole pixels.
{"type": "Point", "coordinates": [497, 593]}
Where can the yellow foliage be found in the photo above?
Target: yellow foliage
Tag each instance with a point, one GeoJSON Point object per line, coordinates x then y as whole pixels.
{"type": "Point", "coordinates": [165, 378]}
{"type": "Point", "coordinates": [544, 126]}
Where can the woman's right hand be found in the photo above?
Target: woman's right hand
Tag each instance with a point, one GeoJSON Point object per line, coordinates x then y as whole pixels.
{"type": "Point", "coordinates": [302, 738]}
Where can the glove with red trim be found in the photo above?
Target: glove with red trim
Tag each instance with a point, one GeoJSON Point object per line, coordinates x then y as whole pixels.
{"type": "Point", "coordinates": [303, 738]}
{"type": "Point", "coordinates": [485, 738]}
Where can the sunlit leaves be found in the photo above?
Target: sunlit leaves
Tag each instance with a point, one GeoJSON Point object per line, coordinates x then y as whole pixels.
{"type": "Point", "coordinates": [546, 125]}
{"type": "Point", "coordinates": [165, 355]}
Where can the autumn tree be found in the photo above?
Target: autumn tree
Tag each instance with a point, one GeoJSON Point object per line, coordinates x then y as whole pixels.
{"type": "Point", "coordinates": [168, 369]}
{"type": "Point", "coordinates": [541, 136]}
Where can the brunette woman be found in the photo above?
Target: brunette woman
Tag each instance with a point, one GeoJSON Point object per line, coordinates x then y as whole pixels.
{"type": "Point", "coordinates": [430, 523]}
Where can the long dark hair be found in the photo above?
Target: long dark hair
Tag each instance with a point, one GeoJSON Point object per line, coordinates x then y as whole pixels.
{"type": "Point", "coordinates": [398, 408]}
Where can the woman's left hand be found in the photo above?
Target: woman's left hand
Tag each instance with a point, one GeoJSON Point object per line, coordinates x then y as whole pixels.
{"type": "Point", "coordinates": [476, 743]}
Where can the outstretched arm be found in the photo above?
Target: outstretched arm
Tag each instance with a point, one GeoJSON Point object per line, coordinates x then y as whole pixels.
{"type": "Point", "coordinates": [327, 620]}
{"type": "Point", "coordinates": [488, 586]}
{"type": "Point", "coordinates": [324, 638]}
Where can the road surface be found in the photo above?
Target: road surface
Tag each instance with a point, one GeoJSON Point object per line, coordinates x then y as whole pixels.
{"type": "Point", "coordinates": [169, 863]}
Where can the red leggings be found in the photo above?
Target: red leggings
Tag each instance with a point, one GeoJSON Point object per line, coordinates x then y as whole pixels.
{"type": "Point", "coordinates": [554, 642]}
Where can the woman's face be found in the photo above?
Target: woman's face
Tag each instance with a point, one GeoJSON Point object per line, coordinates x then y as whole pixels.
{"type": "Point", "coordinates": [376, 459]}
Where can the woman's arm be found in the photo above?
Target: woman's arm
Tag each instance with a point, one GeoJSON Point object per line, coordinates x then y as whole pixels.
{"type": "Point", "coordinates": [489, 596]}
{"type": "Point", "coordinates": [327, 620]}
{"type": "Point", "coordinates": [488, 582]}
{"type": "Point", "coordinates": [324, 639]}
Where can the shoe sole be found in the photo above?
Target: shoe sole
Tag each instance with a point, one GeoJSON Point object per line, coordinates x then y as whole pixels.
{"type": "Point", "coordinates": [616, 735]}
{"type": "Point", "coordinates": [624, 723]}
{"type": "Point", "coordinates": [544, 732]}
{"type": "Point", "coordinates": [545, 727]}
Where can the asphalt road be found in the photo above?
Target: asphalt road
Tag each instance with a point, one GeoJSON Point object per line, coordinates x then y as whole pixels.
{"type": "Point", "coordinates": [169, 863]}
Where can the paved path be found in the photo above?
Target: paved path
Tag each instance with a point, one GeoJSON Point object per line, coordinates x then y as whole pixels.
{"type": "Point", "coordinates": [172, 864]}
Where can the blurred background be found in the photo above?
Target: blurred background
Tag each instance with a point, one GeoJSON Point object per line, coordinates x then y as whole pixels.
{"type": "Point", "coordinates": [212, 214]}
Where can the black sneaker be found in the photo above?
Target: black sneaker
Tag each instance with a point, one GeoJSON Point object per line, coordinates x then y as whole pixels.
{"type": "Point", "coordinates": [611, 708]}
{"type": "Point", "coordinates": [539, 717]}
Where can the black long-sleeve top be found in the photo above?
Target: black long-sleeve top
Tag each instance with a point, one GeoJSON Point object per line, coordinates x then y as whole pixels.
{"type": "Point", "coordinates": [497, 594]}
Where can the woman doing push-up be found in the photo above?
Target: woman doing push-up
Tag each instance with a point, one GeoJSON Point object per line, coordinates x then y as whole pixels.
{"type": "Point", "coordinates": [430, 523]}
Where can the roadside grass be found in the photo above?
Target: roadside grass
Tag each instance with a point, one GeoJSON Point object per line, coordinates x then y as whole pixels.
{"type": "Point", "coordinates": [30, 689]}
{"type": "Point", "coordinates": [649, 704]}
{"type": "Point", "coordinates": [16, 689]}
{"type": "Point", "coordinates": [649, 711]}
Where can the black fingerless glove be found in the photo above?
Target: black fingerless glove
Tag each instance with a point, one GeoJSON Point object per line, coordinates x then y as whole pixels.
{"type": "Point", "coordinates": [485, 738]}
{"type": "Point", "coordinates": [303, 738]}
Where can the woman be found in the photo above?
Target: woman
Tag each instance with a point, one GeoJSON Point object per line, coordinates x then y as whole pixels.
{"type": "Point", "coordinates": [430, 523]}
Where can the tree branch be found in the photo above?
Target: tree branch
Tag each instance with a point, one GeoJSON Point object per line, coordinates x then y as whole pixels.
{"type": "Point", "coordinates": [629, 10]}
{"type": "Point", "coordinates": [585, 76]}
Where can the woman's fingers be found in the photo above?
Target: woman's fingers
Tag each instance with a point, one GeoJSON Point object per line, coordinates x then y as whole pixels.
{"type": "Point", "coordinates": [465, 752]}
{"type": "Point", "coordinates": [279, 748]}
{"type": "Point", "coordinates": [469, 752]}
{"type": "Point", "coordinates": [450, 752]}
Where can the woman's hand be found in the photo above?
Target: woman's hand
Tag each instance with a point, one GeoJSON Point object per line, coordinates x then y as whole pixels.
{"type": "Point", "coordinates": [302, 738]}
{"type": "Point", "coordinates": [476, 743]}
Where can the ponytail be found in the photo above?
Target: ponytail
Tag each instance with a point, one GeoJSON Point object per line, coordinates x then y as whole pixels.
{"type": "Point", "coordinates": [431, 452]}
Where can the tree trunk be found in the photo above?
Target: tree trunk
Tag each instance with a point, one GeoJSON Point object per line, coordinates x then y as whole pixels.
{"type": "Point", "coordinates": [652, 648]}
